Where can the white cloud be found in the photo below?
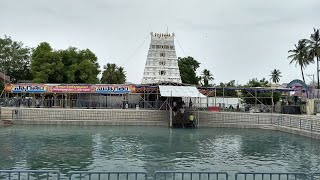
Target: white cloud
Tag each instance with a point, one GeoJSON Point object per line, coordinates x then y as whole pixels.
{"type": "Point", "coordinates": [234, 39]}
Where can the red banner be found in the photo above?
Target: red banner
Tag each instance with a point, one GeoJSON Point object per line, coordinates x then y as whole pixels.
{"type": "Point", "coordinates": [71, 89]}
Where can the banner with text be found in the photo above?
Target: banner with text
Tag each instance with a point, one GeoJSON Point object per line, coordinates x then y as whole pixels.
{"type": "Point", "coordinates": [69, 88]}
{"type": "Point", "coordinates": [113, 89]}
{"type": "Point", "coordinates": [25, 88]}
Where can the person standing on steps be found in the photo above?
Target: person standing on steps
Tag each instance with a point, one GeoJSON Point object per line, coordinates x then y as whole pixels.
{"type": "Point", "coordinates": [37, 103]}
{"type": "Point", "coordinates": [190, 103]}
{"type": "Point", "coordinates": [192, 120]}
{"type": "Point", "coordinates": [174, 109]}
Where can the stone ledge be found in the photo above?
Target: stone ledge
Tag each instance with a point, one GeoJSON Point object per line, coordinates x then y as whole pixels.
{"type": "Point", "coordinates": [296, 131]}
{"type": "Point", "coordinates": [142, 123]}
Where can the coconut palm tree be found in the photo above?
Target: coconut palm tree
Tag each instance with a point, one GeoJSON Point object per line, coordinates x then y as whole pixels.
{"type": "Point", "coordinates": [300, 56]}
{"type": "Point", "coordinates": [206, 77]}
{"type": "Point", "coordinates": [313, 45]}
{"type": "Point", "coordinates": [275, 75]}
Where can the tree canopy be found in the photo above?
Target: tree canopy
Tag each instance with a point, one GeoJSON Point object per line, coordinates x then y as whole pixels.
{"type": "Point", "coordinates": [64, 66]}
{"type": "Point", "coordinates": [112, 74]}
{"type": "Point", "coordinates": [46, 65]}
{"type": "Point", "coordinates": [80, 66]}
{"type": "Point", "coordinates": [15, 59]}
{"type": "Point", "coordinates": [188, 67]}
{"type": "Point", "coordinates": [229, 93]}
{"type": "Point", "coordinates": [262, 97]}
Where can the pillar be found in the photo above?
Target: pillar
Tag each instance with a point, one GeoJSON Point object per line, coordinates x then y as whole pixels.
{"type": "Point", "coordinates": [65, 100]}
{"type": "Point", "coordinates": [42, 100]}
{"type": "Point", "coordinates": [55, 103]}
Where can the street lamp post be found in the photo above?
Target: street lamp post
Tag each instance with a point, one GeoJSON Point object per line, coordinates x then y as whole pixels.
{"type": "Point", "coordinates": [313, 83]}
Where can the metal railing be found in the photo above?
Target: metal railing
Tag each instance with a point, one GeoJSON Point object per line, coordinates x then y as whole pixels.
{"type": "Point", "coordinates": [315, 176]}
{"type": "Point", "coordinates": [81, 103]}
{"type": "Point", "coordinates": [158, 175]}
{"type": "Point", "coordinates": [35, 114]}
{"type": "Point", "coordinates": [85, 175]}
{"type": "Point", "coordinates": [122, 104]}
{"type": "Point", "coordinates": [29, 174]}
{"type": "Point", "coordinates": [270, 176]}
{"type": "Point", "coordinates": [306, 123]}
{"type": "Point", "coordinates": [190, 175]}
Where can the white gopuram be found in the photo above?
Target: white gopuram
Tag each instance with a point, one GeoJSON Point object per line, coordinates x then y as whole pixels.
{"type": "Point", "coordinates": [162, 61]}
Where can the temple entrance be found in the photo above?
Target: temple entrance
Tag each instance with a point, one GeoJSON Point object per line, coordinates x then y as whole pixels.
{"type": "Point", "coordinates": [181, 115]}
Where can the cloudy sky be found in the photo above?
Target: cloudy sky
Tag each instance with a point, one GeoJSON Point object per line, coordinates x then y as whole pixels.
{"type": "Point", "coordinates": [234, 39]}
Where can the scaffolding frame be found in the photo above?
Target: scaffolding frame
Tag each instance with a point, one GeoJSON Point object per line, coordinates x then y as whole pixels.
{"type": "Point", "coordinates": [145, 92]}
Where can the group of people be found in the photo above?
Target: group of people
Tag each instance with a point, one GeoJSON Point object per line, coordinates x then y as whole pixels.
{"type": "Point", "coordinates": [187, 119]}
{"type": "Point", "coordinates": [180, 106]}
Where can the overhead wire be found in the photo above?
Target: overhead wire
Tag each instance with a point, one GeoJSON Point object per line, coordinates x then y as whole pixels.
{"type": "Point", "coordinates": [181, 47]}
{"type": "Point", "coordinates": [135, 51]}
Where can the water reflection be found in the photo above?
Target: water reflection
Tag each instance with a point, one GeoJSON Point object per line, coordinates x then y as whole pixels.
{"type": "Point", "coordinates": [96, 148]}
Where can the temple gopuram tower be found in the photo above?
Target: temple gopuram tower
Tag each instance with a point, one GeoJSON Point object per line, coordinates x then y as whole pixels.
{"type": "Point", "coordinates": [162, 61]}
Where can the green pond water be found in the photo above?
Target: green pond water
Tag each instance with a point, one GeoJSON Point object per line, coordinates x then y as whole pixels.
{"type": "Point", "coordinates": [134, 148]}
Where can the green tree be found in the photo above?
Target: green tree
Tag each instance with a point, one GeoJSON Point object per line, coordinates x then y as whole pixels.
{"type": "Point", "coordinates": [206, 77]}
{"type": "Point", "coordinates": [86, 68]}
{"type": "Point", "coordinates": [121, 75]}
{"type": "Point", "coordinates": [64, 66]}
{"type": "Point", "coordinates": [262, 96]}
{"type": "Point", "coordinates": [228, 91]}
{"type": "Point", "coordinates": [69, 58]}
{"type": "Point", "coordinates": [15, 59]}
{"type": "Point", "coordinates": [231, 83]}
{"type": "Point", "coordinates": [46, 65]}
{"type": "Point", "coordinates": [112, 74]}
{"type": "Point", "coordinates": [275, 75]}
{"type": "Point", "coordinates": [300, 56]}
{"type": "Point", "coordinates": [188, 67]}
{"type": "Point", "coordinates": [258, 83]}
{"type": "Point", "coordinates": [313, 45]}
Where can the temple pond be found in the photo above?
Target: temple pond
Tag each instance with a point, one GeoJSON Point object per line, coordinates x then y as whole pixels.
{"type": "Point", "coordinates": [133, 148]}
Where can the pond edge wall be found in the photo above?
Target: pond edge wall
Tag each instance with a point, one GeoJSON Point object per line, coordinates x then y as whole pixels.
{"type": "Point", "coordinates": [305, 125]}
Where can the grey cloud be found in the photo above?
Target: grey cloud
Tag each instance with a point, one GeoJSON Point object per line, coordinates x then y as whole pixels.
{"type": "Point", "coordinates": [218, 33]}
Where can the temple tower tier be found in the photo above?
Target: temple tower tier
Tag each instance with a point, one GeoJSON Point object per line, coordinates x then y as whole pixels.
{"type": "Point", "coordinates": [162, 61]}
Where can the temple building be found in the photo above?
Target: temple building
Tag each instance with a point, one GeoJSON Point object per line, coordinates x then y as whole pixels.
{"type": "Point", "coordinates": [162, 61]}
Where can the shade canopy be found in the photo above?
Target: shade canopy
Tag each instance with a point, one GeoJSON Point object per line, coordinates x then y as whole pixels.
{"type": "Point", "coordinates": [180, 91]}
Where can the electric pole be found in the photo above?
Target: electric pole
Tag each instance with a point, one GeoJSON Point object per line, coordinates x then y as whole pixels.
{"type": "Point", "coordinates": [313, 83]}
